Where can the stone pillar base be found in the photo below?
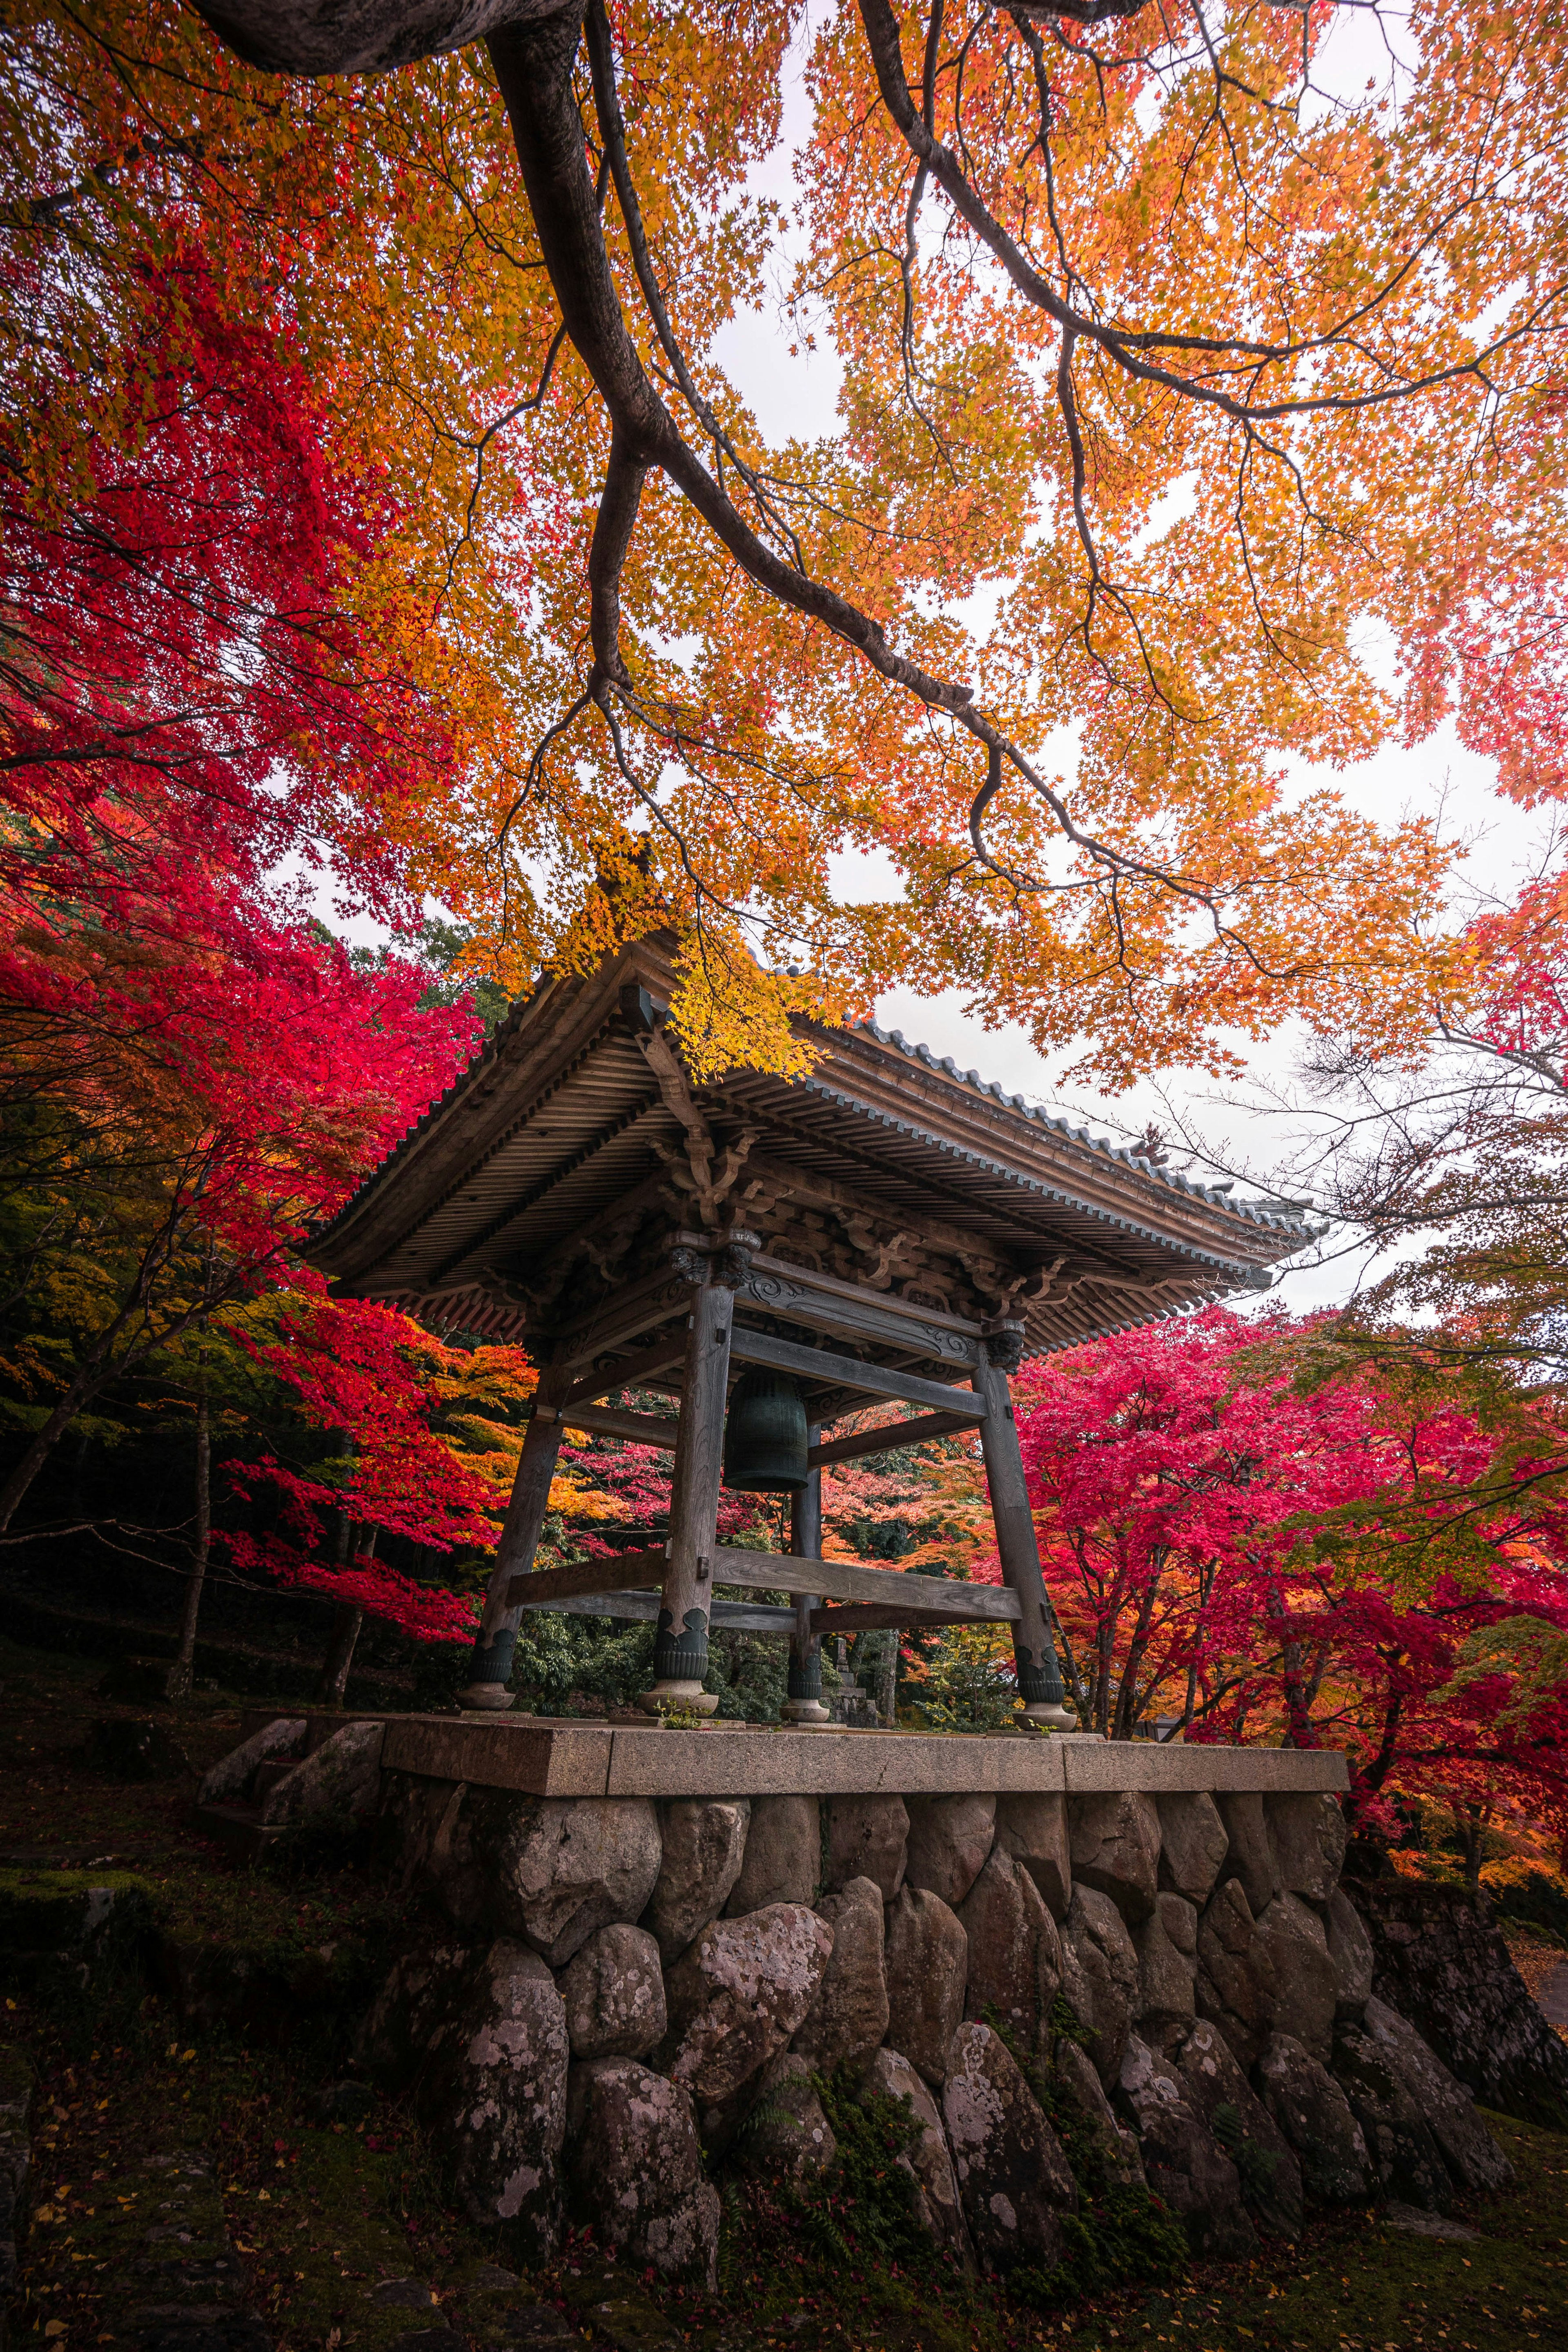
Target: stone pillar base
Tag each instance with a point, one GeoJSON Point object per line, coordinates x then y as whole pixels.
{"type": "Point", "coordinates": [494, 1695]}
{"type": "Point", "coordinates": [685, 1698]}
{"type": "Point", "coordinates": [1050, 1717]}
{"type": "Point", "coordinates": [804, 1714]}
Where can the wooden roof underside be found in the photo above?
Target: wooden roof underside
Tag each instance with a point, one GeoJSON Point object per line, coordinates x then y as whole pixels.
{"type": "Point", "coordinates": [559, 1121]}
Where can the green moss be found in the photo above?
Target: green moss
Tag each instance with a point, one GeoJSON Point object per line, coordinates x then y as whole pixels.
{"type": "Point", "coordinates": [867, 2204]}
{"type": "Point", "coordinates": [1120, 2235]}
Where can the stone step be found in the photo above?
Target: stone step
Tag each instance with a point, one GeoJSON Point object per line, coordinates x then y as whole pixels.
{"type": "Point", "coordinates": [238, 1830]}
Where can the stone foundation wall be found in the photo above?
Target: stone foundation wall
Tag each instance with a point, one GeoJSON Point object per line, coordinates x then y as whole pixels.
{"type": "Point", "coordinates": [1169, 1979]}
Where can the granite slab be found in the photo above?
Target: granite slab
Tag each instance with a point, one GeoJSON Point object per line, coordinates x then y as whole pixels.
{"type": "Point", "coordinates": [533, 1754]}
{"type": "Point", "coordinates": [545, 1756]}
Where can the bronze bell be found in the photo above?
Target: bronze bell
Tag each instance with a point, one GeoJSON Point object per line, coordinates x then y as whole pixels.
{"type": "Point", "coordinates": [764, 1437]}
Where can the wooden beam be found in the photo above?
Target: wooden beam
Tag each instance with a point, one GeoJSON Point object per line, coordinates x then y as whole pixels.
{"type": "Point", "coordinates": [741, 1616]}
{"type": "Point", "coordinates": [850, 1580]}
{"type": "Point", "coordinates": [883, 1441]}
{"type": "Point", "coordinates": [657, 1357]}
{"type": "Point", "coordinates": [870, 1379]}
{"type": "Point", "coordinates": [608, 1421]}
{"type": "Point", "coordinates": [774, 1572]}
{"type": "Point", "coordinates": [547, 1588]}
{"type": "Point", "coordinates": [864, 1617]}
{"type": "Point", "coordinates": [797, 1296]}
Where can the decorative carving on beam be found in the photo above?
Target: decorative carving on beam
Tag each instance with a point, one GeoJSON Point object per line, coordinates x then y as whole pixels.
{"type": "Point", "coordinates": [692, 1169]}
{"type": "Point", "coordinates": [796, 1296]}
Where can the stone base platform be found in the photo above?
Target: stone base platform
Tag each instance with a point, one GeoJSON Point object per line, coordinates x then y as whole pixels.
{"type": "Point", "coordinates": [545, 1756]}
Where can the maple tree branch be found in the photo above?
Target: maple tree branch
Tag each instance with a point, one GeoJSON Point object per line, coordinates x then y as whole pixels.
{"type": "Point", "coordinates": [533, 65]}
{"type": "Point", "coordinates": [533, 69]}
{"type": "Point", "coordinates": [616, 519]}
{"type": "Point", "coordinates": [1126, 346]}
{"type": "Point", "coordinates": [612, 130]}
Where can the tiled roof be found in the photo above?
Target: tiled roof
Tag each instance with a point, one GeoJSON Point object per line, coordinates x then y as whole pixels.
{"type": "Point", "coordinates": [1284, 1216]}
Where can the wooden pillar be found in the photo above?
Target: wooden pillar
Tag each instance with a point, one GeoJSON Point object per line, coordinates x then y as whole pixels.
{"type": "Point", "coordinates": [803, 1707]}
{"type": "Point", "coordinates": [1034, 1636]}
{"type": "Point", "coordinates": [681, 1645]}
{"type": "Point", "coordinates": [489, 1667]}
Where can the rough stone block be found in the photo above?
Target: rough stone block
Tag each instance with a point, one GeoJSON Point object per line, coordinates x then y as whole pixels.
{"type": "Point", "coordinates": [788, 2137]}
{"type": "Point", "coordinates": [637, 2169]}
{"type": "Point", "coordinates": [1014, 1951]}
{"type": "Point", "coordinates": [614, 1991]}
{"type": "Point", "coordinates": [702, 1842]}
{"type": "Point", "coordinates": [1167, 1946]}
{"type": "Point", "coordinates": [928, 2155]}
{"type": "Point", "coordinates": [492, 2097]}
{"type": "Point", "coordinates": [782, 1861]}
{"type": "Point", "coordinates": [864, 1837]}
{"type": "Point", "coordinates": [1306, 1979]}
{"type": "Point", "coordinates": [735, 1998]}
{"type": "Point", "coordinates": [555, 1868]}
{"type": "Point", "coordinates": [418, 1996]}
{"type": "Point", "coordinates": [1315, 2116]}
{"type": "Point", "coordinates": [1249, 1855]}
{"type": "Point", "coordinates": [229, 1781]}
{"type": "Point", "coordinates": [1349, 1948]}
{"type": "Point", "coordinates": [1012, 2177]}
{"type": "Point", "coordinates": [1033, 1831]}
{"type": "Point", "coordinates": [414, 1837]}
{"type": "Point", "coordinates": [849, 2015]}
{"type": "Point", "coordinates": [1100, 1977]}
{"type": "Point", "coordinates": [1440, 1961]}
{"type": "Point", "coordinates": [343, 1776]}
{"type": "Point", "coordinates": [1236, 1984]}
{"type": "Point", "coordinates": [1115, 2149]}
{"type": "Point", "coordinates": [1404, 2155]}
{"type": "Point", "coordinates": [1469, 2151]}
{"type": "Point", "coordinates": [1264, 2161]}
{"type": "Point", "coordinates": [1116, 1849]}
{"type": "Point", "coordinates": [1193, 1845]}
{"type": "Point", "coordinates": [949, 1839]}
{"type": "Point", "coordinates": [1183, 2163]}
{"type": "Point", "coordinates": [1308, 1836]}
{"type": "Point", "coordinates": [926, 1962]}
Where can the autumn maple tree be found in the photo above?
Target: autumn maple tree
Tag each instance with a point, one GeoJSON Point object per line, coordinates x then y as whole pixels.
{"type": "Point", "coordinates": [1251, 1531]}
{"type": "Point", "coordinates": [1179, 350]}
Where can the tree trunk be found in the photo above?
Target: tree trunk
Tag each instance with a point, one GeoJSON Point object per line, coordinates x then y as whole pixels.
{"type": "Point", "coordinates": [340, 1655]}
{"type": "Point", "coordinates": [346, 1623]}
{"type": "Point", "coordinates": [1471, 1822]}
{"type": "Point", "coordinates": [85, 1385]}
{"type": "Point", "coordinates": [181, 1672]}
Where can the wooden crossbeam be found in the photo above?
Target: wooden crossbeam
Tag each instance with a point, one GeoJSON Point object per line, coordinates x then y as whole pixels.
{"type": "Point", "coordinates": [847, 1371]}
{"type": "Point", "coordinates": [773, 1571]}
{"type": "Point", "coordinates": [863, 1617]}
{"type": "Point", "coordinates": [549, 1588]}
{"type": "Point", "coordinates": [740, 1616]}
{"type": "Point", "coordinates": [883, 1441]}
{"type": "Point", "coordinates": [670, 1349]}
{"type": "Point", "coordinates": [607, 1420]}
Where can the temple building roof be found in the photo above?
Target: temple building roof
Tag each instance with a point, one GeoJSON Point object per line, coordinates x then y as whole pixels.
{"type": "Point", "coordinates": [574, 1147]}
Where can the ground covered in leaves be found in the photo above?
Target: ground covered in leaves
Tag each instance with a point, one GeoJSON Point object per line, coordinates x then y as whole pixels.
{"type": "Point", "coordinates": [172, 2155]}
